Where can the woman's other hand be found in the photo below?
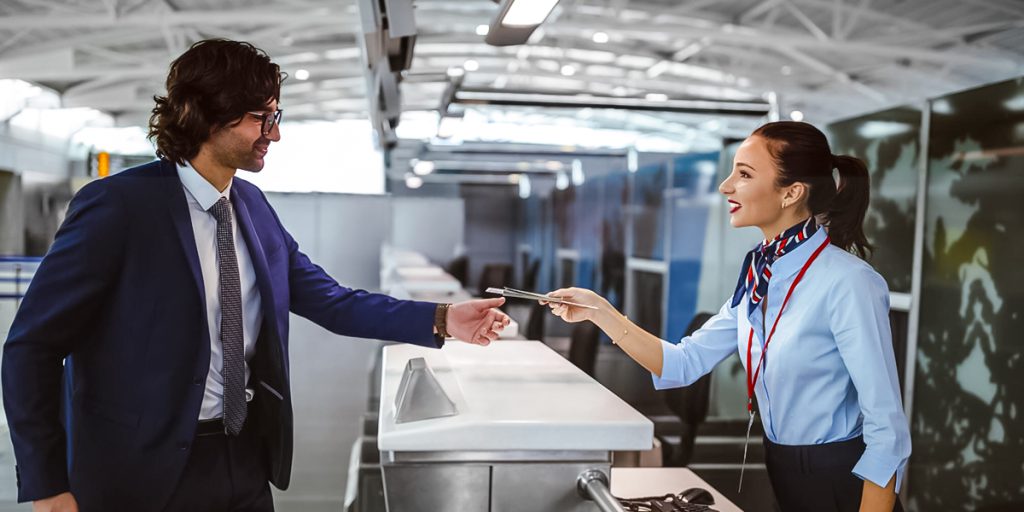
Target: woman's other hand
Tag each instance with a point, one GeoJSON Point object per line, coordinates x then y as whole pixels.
{"type": "Point", "coordinates": [574, 314]}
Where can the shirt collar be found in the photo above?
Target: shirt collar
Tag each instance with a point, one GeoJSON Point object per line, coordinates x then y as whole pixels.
{"type": "Point", "coordinates": [789, 263]}
{"type": "Point", "coordinates": [203, 191]}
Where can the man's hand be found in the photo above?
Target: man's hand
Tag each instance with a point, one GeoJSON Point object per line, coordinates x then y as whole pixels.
{"type": "Point", "coordinates": [477, 321]}
{"type": "Point", "coordinates": [63, 502]}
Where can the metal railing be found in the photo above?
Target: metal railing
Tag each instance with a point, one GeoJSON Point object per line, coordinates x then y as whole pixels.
{"type": "Point", "coordinates": [592, 484]}
{"type": "Point", "coordinates": [16, 273]}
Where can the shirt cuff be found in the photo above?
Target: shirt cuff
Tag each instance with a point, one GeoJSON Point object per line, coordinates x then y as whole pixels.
{"type": "Point", "coordinates": [879, 468]}
{"type": "Point", "coordinates": [669, 372]}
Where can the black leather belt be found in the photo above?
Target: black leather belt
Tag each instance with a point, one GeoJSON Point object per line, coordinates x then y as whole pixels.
{"type": "Point", "coordinates": [210, 427]}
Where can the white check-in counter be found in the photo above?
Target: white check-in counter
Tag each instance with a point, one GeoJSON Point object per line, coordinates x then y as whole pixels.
{"type": "Point", "coordinates": [527, 423]}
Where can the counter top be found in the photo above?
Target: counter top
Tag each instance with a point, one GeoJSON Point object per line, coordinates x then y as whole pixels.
{"type": "Point", "coordinates": [511, 395]}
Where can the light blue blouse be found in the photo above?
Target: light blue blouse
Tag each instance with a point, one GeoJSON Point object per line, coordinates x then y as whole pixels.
{"type": "Point", "coordinates": [829, 373]}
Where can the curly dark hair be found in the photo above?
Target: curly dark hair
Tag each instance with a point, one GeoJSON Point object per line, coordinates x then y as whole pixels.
{"type": "Point", "coordinates": [209, 86]}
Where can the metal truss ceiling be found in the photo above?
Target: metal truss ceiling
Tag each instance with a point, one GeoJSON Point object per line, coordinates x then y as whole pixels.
{"type": "Point", "coordinates": [828, 58]}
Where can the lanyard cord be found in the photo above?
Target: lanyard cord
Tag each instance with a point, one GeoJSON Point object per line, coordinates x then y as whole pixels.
{"type": "Point", "coordinates": [753, 373]}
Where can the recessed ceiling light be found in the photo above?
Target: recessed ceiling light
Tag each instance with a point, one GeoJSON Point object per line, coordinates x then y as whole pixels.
{"type": "Point", "coordinates": [482, 30]}
{"type": "Point", "coordinates": [302, 74]}
{"type": "Point", "coordinates": [423, 167]}
{"type": "Point", "coordinates": [600, 37]}
{"type": "Point", "coordinates": [471, 65]}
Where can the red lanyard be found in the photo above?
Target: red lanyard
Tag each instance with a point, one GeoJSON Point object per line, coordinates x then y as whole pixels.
{"type": "Point", "coordinates": [752, 378]}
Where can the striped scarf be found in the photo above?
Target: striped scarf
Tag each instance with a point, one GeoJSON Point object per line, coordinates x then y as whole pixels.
{"type": "Point", "coordinates": [757, 267]}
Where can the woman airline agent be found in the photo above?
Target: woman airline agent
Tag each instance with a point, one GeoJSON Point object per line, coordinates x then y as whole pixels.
{"type": "Point", "coordinates": [810, 321]}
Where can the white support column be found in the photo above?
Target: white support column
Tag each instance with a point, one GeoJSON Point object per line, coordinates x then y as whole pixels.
{"type": "Point", "coordinates": [914, 321]}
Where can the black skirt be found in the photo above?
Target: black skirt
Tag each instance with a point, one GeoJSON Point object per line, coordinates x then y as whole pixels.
{"type": "Point", "coordinates": [816, 478]}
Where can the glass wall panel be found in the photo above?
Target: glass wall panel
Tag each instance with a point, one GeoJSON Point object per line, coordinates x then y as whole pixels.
{"type": "Point", "coordinates": [588, 222]}
{"type": "Point", "coordinates": [890, 143]}
{"type": "Point", "coordinates": [690, 201]}
{"type": "Point", "coordinates": [531, 234]}
{"type": "Point", "coordinates": [650, 184]}
{"type": "Point", "coordinates": [565, 218]}
{"type": "Point", "coordinates": [967, 425]}
{"type": "Point", "coordinates": [615, 194]}
{"type": "Point", "coordinates": [648, 290]}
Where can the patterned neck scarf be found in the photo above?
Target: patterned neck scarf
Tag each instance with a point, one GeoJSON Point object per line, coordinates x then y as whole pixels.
{"type": "Point", "coordinates": [757, 267]}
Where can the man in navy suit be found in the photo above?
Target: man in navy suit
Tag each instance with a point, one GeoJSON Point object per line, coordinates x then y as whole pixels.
{"type": "Point", "coordinates": [169, 286]}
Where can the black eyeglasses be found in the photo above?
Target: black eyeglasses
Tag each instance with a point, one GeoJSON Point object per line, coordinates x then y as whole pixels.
{"type": "Point", "coordinates": [269, 119]}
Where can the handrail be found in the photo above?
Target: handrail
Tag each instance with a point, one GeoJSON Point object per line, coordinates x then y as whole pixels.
{"type": "Point", "coordinates": [20, 259]}
{"type": "Point", "coordinates": [592, 484]}
{"type": "Point", "coordinates": [23, 268]}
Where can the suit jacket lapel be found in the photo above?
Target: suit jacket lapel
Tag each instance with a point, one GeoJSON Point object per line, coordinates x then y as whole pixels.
{"type": "Point", "coordinates": [256, 254]}
{"type": "Point", "coordinates": [182, 220]}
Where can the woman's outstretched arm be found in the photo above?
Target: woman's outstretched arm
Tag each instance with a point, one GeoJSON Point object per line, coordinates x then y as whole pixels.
{"type": "Point", "coordinates": [672, 365]}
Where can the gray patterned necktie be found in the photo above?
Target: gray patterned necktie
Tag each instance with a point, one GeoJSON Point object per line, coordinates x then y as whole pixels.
{"type": "Point", "coordinates": [232, 345]}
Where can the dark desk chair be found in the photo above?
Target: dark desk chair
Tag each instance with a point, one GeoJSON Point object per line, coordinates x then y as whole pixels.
{"type": "Point", "coordinates": [690, 404]}
{"type": "Point", "coordinates": [530, 277]}
{"type": "Point", "coordinates": [459, 269]}
{"type": "Point", "coordinates": [534, 328]}
{"type": "Point", "coordinates": [497, 275]}
{"type": "Point", "coordinates": [583, 345]}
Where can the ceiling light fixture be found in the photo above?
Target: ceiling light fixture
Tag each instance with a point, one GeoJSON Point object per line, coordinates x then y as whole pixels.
{"type": "Point", "coordinates": [423, 167]}
{"type": "Point", "coordinates": [527, 13]}
{"type": "Point", "coordinates": [517, 20]}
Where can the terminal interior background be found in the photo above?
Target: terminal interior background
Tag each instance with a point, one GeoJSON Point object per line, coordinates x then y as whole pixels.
{"type": "Point", "coordinates": [587, 156]}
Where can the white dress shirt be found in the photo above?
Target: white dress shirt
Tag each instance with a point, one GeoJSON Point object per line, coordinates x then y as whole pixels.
{"type": "Point", "coordinates": [201, 196]}
{"type": "Point", "coordinates": [829, 373]}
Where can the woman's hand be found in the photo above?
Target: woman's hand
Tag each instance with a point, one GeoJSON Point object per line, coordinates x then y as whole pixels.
{"type": "Point", "coordinates": [574, 314]}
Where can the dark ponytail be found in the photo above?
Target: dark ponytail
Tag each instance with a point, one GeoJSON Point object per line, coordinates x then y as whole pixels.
{"type": "Point", "coordinates": [850, 205]}
{"type": "Point", "coordinates": [801, 154]}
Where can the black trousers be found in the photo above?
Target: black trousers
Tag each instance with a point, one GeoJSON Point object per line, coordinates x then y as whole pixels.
{"type": "Point", "coordinates": [224, 474]}
{"type": "Point", "coordinates": [816, 478]}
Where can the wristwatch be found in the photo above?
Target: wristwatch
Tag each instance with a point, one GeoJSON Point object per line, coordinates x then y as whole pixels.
{"type": "Point", "coordinates": [441, 321]}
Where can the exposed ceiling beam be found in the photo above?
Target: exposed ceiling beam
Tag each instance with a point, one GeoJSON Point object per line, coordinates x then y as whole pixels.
{"type": "Point", "coordinates": [756, 10]}
{"type": "Point", "coordinates": [835, 74]}
{"type": "Point", "coordinates": [234, 18]}
{"type": "Point", "coordinates": [53, 6]}
{"type": "Point", "coordinates": [808, 23]}
{"type": "Point", "coordinates": [95, 38]}
{"type": "Point", "coordinates": [1015, 10]}
{"type": "Point", "coordinates": [756, 38]}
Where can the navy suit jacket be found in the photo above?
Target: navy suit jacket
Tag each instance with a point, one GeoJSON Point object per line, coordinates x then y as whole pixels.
{"type": "Point", "coordinates": [121, 292]}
